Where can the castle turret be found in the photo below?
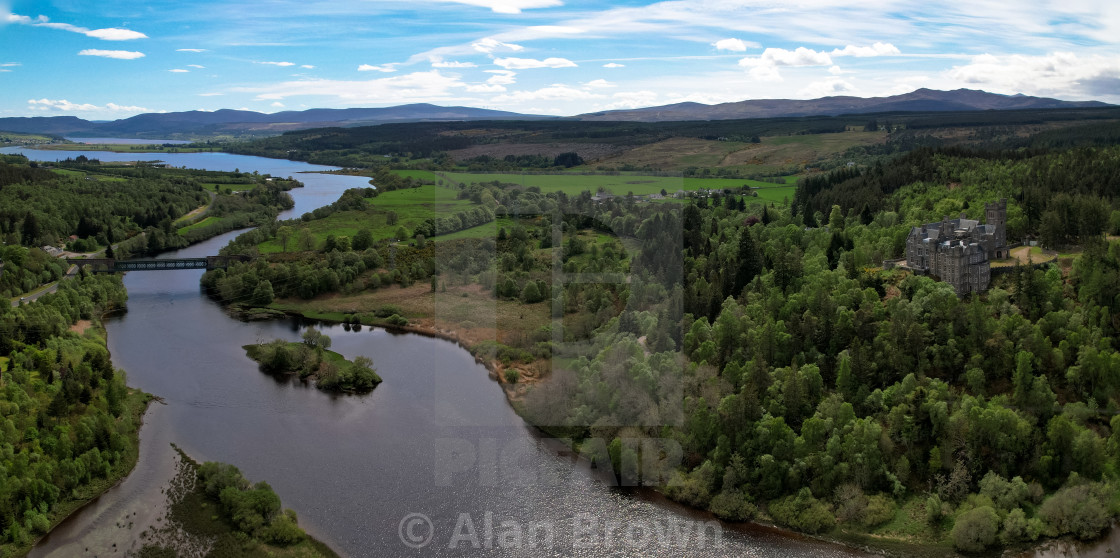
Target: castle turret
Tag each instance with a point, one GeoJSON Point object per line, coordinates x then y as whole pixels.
{"type": "Point", "coordinates": [995, 214]}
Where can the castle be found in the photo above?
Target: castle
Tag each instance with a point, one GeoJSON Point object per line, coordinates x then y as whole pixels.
{"type": "Point", "coordinates": [958, 251]}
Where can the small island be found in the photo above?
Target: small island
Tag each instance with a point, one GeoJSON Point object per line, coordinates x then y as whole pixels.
{"type": "Point", "coordinates": [313, 359]}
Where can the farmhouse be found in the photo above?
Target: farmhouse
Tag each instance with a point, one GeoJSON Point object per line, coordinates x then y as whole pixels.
{"type": "Point", "coordinates": [958, 251]}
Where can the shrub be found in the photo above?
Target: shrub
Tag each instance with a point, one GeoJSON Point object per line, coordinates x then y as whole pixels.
{"type": "Point", "coordinates": [512, 375]}
{"type": "Point", "coordinates": [803, 512]}
{"type": "Point", "coordinates": [880, 509]}
{"type": "Point", "coordinates": [975, 529]}
{"type": "Point", "coordinates": [1080, 510]}
{"type": "Point", "coordinates": [733, 505]}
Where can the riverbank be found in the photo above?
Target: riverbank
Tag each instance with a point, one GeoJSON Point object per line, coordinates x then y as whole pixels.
{"type": "Point", "coordinates": [136, 403]}
{"type": "Point", "coordinates": [196, 520]}
{"type": "Point", "coordinates": [436, 319]}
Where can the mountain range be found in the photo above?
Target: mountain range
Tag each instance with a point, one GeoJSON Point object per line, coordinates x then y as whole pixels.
{"type": "Point", "coordinates": [921, 100]}
{"type": "Point", "coordinates": [200, 123]}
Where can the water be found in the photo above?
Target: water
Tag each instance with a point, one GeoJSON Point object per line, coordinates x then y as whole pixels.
{"type": "Point", "coordinates": [437, 438]}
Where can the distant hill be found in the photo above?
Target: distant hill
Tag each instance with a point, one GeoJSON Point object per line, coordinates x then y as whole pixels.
{"type": "Point", "coordinates": [166, 125]}
{"type": "Point", "coordinates": [173, 125]}
{"type": "Point", "coordinates": [921, 100]}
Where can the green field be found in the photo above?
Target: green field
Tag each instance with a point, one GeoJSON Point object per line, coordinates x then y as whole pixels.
{"type": "Point", "coordinates": [619, 185]}
{"type": "Point", "coordinates": [412, 207]}
{"type": "Point", "coordinates": [199, 225]}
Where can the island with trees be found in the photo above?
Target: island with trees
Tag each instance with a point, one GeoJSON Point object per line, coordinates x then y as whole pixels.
{"type": "Point", "coordinates": [312, 359]}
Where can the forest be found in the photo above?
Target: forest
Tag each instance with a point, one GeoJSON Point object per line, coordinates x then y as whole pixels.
{"type": "Point", "coordinates": [68, 422]}
{"type": "Point", "coordinates": [141, 210]}
{"type": "Point", "coordinates": [798, 380]}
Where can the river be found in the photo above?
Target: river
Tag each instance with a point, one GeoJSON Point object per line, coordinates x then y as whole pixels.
{"type": "Point", "coordinates": [436, 442]}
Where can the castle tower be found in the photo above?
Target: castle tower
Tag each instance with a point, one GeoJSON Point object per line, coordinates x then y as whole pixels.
{"type": "Point", "coordinates": [996, 214]}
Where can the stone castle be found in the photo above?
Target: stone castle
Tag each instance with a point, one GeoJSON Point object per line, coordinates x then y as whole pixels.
{"type": "Point", "coordinates": [958, 251]}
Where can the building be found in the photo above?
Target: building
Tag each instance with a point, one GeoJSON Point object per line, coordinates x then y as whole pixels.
{"type": "Point", "coordinates": [959, 251]}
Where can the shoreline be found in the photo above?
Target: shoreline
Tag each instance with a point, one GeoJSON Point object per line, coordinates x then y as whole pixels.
{"type": "Point", "coordinates": [853, 540]}
{"type": "Point", "coordinates": [142, 401]}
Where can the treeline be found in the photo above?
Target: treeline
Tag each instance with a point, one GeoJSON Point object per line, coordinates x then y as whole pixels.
{"type": "Point", "coordinates": [1063, 197]}
{"type": "Point", "coordinates": [50, 207]}
{"type": "Point", "coordinates": [67, 423]}
{"type": "Point", "coordinates": [113, 204]}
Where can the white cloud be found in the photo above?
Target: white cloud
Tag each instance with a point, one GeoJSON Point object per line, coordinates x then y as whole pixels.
{"type": "Point", "coordinates": [10, 64]}
{"type": "Point", "coordinates": [190, 50]}
{"type": "Point", "coordinates": [614, 65]}
{"type": "Point", "coordinates": [307, 66]}
{"type": "Point", "coordinates": [484, 88]}
{"type": "Point", "coordinates": [489, 45]}
{"type": "Point", "coordinates": [1063, 74]}
{"type": "Point", "coordinates": [835, 70]}
{"type": "Point", "coordinates": [440, 63]}
{"type": "Point", "coordinates": [632, 99]}
{"type": "Point", "coordinates": [196, 66]}
{"type": "Point", "coordinates": [387, 68]}
{"type": "Point", "coordinates": [115, 34]}
{"type": "Point", "coordinates": [107, 34]}
{"type": "Point", "coordinates": [599, 84]}
{"type": "Point", "coordinates": [765, 73]}
{"type": "Point", "coordinates": [509, 6]}
{"type": "Point", "coordinates": [178, 71]}
{"type": "Point", "coordinates": [62, 105]}
{"type": "Point", "coordinates": [827, 87]}
{"type": "Point", "coordinates": [414, 87]}
{"type": "Point", "coordinates": [555, 92]}
{"type": "Point", "coordinates": [877, 49]}
{"type": "Point", "coordinates": [528, 63]}
{"type": "Point", "coordinates": [282, 64]}
{"type": "Point", "coordinates": [5, 70]}
{"type": "Point", "coordinates": [734, 45]}
{"type": "Point", "coordinates": [277, 104]}
{"type": "Point", "coordinates": [801, 56]}
{"type": "Point", "coordinates": [210, 94]}
{"type": "Point", "coordinates": [501, 77]}
{"type": "Point", "coordinates": [117, 54]}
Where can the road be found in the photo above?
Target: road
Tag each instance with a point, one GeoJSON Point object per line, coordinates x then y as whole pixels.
{"type": "Point", "coordinates": [49, 288]}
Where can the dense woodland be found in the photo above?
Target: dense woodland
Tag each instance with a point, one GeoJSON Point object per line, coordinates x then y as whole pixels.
{"type": "Point", "coordinates": [67, 423]}
{"type": "Point", "coordinates": [136, 208]}
{"type": "Point", "coordinates": [795, 378]}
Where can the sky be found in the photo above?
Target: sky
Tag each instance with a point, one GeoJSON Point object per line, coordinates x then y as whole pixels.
{"type": "Point", "coordinates": [113, 59]}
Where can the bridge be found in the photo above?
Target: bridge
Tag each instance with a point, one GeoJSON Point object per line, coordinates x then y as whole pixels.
{"type": "Point", "coordinates": [110, 265]}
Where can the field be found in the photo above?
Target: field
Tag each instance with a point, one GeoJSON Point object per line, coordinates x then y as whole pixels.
{"type": "Point", "coordinates": [412, 207]}
{"type": "Point", "coordinates": [199, 225]}
{"type": "Point", "coordinates": [618, 184]}
{"type": "Point", "coordinates": [773, 154]}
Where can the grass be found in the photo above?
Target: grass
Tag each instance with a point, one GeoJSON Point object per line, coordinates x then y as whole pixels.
{"type": "Point", "coordinates": [773, 154]}
{"type": "Point", "coordinates": [412, 207]}
{"type": "Point", "coordinates": [3, 364]}
{"type": "Point", "coordinates": [617, 184]}
{"type": "Point", "coordinates": [199, 225]}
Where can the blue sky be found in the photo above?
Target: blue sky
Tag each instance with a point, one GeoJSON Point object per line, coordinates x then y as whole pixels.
{"type": "Point", "coordinates": [112, 59]}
